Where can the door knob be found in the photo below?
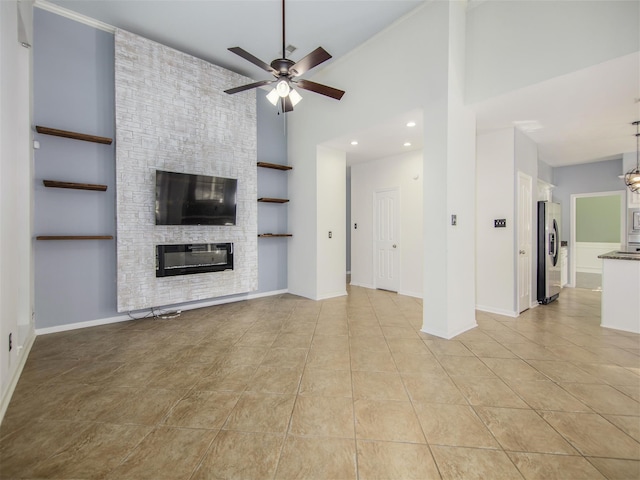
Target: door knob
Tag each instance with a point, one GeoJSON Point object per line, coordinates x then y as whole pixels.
{"type": "Point", "coordinates": [394, 245]}
{"type": "Point", "coordinates": [522, 252]}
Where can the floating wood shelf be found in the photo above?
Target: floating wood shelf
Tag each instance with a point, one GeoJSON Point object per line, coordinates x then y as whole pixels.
{"type": "Point", "coordinates": [274, 166]}
{"type": "Point", "coordinates": [76, 136]}
{"type": "Point", "coordinates": [76, 186]}
{"type": "Point", "coordinates": [267, 235]}
{"type": "Point", "coordinates": [273, 200]}
{"type": "Point", "coordinates": [74, 237]}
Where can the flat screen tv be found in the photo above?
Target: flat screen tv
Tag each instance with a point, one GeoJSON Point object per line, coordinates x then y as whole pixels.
{"type": "Point", "coordinates": [186, 199]}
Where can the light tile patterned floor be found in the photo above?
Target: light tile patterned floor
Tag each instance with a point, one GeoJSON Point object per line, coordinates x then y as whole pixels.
{"type": "Point", "coordinates": [284, 388]}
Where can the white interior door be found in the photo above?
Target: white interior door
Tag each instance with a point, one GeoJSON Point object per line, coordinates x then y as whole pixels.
{"type": "Point", "coordinates": [386, 245]}
{"type": "Point", "coordinates": [525, 231]}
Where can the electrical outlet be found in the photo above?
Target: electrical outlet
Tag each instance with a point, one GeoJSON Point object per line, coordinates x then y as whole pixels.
{"type": "Point", "coordinates": [10, 341]}
{"type": "Point", "coordinates": [500, 223]}
{"type": "Point", "coordinates": [330, 234]}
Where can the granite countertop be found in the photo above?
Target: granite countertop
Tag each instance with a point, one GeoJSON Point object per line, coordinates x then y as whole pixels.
{"type": "Point", "coordinates": [620, 255]}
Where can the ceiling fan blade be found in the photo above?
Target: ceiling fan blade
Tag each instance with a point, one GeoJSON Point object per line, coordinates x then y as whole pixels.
{"type": "Point", "coordinates": [231, 91]}
{"type": "Point", "coordinates": [315, 58]}
{"type": "Point", "coordinates": [287, 106]}
{"type": "Point", "coordinates": [319, 88]}
{"type": "Point", "coordinates": [255, 60]}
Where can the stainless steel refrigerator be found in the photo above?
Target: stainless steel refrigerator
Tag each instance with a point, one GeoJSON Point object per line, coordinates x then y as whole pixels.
{"type": "Point", "coordinates": [548, 252]}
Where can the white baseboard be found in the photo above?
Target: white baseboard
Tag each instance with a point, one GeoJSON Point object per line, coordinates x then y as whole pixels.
{"type": "Point", "coordinates": [22, 360]}
{"type": "Point", "coordinates": [410, 294]}
{"type": "Point", "coordinates": [589, 270]}
{"type": "Point", "coordinates": [618, 328]}
{"type": "Point", "coordinates": [363, 285]}
{"type": "Point", "coordinates": [448, 335]}
{"type": "Point", "coordinates": [499, 311]}
{"type": "Point", "coordinates": [126, 318]}
{"type": "Point", "coordinates": [332, 295]}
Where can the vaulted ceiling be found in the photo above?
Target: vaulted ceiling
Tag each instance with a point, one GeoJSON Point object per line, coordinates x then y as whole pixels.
{"type": "Point", "coordinates": [591, 124]}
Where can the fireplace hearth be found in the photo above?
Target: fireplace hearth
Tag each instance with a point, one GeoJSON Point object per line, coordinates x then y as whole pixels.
{"type": "Point", "coordinates": [191, 258]}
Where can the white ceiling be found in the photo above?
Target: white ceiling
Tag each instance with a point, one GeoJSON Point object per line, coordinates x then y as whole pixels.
{"type": "Point", "coordinates": [577, 118]}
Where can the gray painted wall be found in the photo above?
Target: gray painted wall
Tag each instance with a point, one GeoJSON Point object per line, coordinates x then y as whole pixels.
{"type": "Point", "coordinates": [585, 178]}
{"type": "Point", "coordinates": [272, 217]}
{"type": "Point", "coordinates": [75, 281]}
{"type": "Point", "coordinates": [545, 172]}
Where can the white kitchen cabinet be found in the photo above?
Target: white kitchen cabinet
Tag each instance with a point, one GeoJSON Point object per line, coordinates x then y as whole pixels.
{"type": "Point", "coordinates": [564, 266]}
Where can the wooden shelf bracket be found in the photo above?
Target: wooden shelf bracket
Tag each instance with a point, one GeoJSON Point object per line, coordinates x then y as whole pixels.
{"type": "Point", "coordinates": [74, 135]}
{"type": "Point", "coordinates": [74, 237]}
{"type": "Point", "coordinates": [275, 166]}
{"type": "Point", "coordinates": [75, 186]}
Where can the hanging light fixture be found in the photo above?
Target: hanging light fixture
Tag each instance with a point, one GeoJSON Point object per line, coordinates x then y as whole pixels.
{"type": "Point", "coordinates": [632, 178]}
{"type": "Point", "coordinates": [276, 94]}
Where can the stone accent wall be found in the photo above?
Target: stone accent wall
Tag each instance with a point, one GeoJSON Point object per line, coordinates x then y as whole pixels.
{"type": "Point", "coordinates": [172, 114]}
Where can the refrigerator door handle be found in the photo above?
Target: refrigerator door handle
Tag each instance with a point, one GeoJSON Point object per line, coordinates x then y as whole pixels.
{"type": "Point", "coordinates": [555, 242]}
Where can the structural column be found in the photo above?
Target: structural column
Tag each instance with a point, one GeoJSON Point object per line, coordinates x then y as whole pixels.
{"type": "Point", "coordinates": [449, 194]}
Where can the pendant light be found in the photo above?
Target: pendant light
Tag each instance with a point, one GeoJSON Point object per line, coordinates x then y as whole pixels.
{"type": "Point", "coordinates": [632, 178]}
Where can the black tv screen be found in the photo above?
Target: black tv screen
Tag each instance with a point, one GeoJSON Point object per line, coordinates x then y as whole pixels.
{"type": "Point", "coordinates": [185, 199]}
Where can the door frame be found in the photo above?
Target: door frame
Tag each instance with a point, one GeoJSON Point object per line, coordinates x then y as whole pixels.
{"type": "Point", "coordinates": [374, 225]}
{"type": "Point", "coordinates": [531, 243]}
{"type": "Point", "coordinates": [572, 243]}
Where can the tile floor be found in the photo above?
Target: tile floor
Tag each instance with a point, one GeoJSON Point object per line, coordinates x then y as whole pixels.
{"type": "Point", "coordinates": [347, 388]}
{"type": "Point", "coordinates": [592, 281]}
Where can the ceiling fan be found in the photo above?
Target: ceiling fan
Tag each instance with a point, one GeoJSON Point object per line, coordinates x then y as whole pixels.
{"type": "Point", "coordinates": [286, 72]}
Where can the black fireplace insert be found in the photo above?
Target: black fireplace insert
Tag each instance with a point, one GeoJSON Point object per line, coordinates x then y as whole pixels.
{"type": "Point", "coordinates": [190, 258]}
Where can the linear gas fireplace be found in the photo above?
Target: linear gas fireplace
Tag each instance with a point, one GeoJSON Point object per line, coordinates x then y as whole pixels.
{"type": "Point", "coordinates": [192, 258]}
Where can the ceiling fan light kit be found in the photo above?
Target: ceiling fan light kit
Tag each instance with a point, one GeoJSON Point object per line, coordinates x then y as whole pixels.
{"type": "Point", "coordinates": [285, 71]}
{"type": "Point", "coordinates": [632, 177]}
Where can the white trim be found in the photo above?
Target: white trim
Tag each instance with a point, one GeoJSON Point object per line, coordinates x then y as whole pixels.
{"type": "Point", "coordinates": [618, 328]}
{"type": "Point", "coordinates": [587, 254]}
{"type": "Point", "coordinates": [332, 295]}
{"type": "Point", "coordinates": [8, 393]}
{"type": "Point", "coordinates": [411, 294]}
{"type": "Point", "coordinates": [363, 285]}
{"type": "Point", "coordinates": [572, 214]}
{"type": "Point", "coordinates": [397, 229]}
{"type": "Point", "coordinates": [71, 15]}
{"type": "Point", "coordinates": [498, 311]}
{"type": "Point", "coordinates": [526, 180]}
{"type": "Point", "coordinates": [126, 318]}
{"type": "Point", "coordinates": [448, 335]}
{"type": "Point", "coordinates": [78, 325]}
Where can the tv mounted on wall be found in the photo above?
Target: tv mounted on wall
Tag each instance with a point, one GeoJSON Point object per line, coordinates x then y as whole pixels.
{"type": "Point", "coordinates": [186, 199]}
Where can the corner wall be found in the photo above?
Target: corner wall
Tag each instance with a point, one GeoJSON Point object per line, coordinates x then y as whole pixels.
{"type": "Point", "coordinates": [586, 178]}
{"type": "Point", "coordinates": [403, 171]}
{"type": "Point", "coordinates": [75, 281]}
{"type": "Point", "coordinates": [495, 247]}
{"type": "Point", "coordinates": [80, 97]}
{"type": "Point", "coordinates": [332, 212]}
{"type": "Point", "coordinates": [16, 287]}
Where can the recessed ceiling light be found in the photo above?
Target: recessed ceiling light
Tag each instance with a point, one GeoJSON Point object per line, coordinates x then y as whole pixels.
{"type": "Point", "coordinates": [411, 124]}
{"type": "Point", "coordinates": [354, 142]}
{"type": "Point", "coordinates": [407, 144]}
